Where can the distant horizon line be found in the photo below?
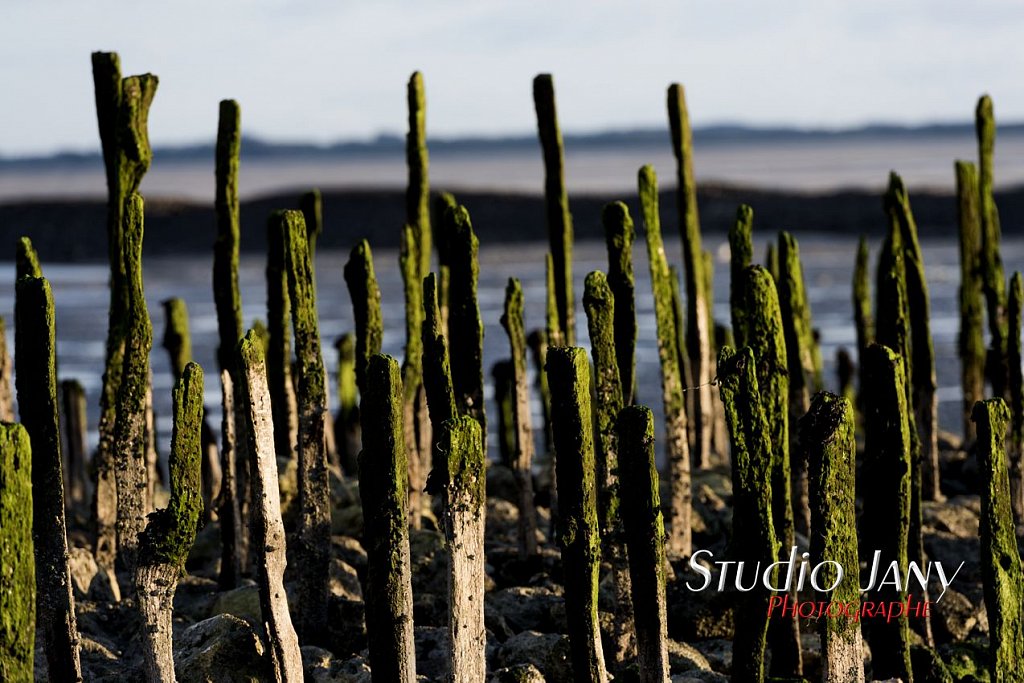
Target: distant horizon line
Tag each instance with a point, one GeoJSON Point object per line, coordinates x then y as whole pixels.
{"type": "Point", "coordinates": [386, 143]}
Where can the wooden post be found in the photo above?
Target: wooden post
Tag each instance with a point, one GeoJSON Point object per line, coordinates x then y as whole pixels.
{"type": "Point", "coordinates": [279, 352]}
{"type": "Point", "coordinates": [569, 378]}
{"type": "Point", "coordinates": [412, 369]}
{"type": "Point", "coordinates": [268, 534]}
{"type": "Point", "coordinates": [346, 425]}
{"type": "Point", "coordinates": [383, 489]}
{"type": "Point", "coordinates": [741, 254]}
{"type": "Point", "coordinates": [365, 294]}
{"type": "Point", "coordinates": [17, 556]}
{"type": "Point", "coordinates": [227, 511]}
{"type": "Point", "coordinates": [168, 537]}
{"type": "Point", "coordinates": [76, 427]}
{"type": "Point", "coordinates": [437, 375]}
{"type": "Point", "coordinates": [619, 235]}
{"type": "Point", "coordinates": [862, 315]}
{"type": "Point", "coordinates": [6, 365]}
{"type": "Point", "coordinates": [35, 354]}
{"type": "Point", "coordinates": [972, 294]}
{"type": "Point", "coordinates": [1016, 393]}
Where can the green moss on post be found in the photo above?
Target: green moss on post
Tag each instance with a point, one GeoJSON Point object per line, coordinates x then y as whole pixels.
{"type": "Point", "coordinates": [1016, 386]}
{"type": "Point", "coordinates": [311, 204]}
{"type": "Point", "coordinates": [619, 235]}
{"type": "Point", "coordinates": [226, 293]}
{"type": "Point", "coordinates": [796, 317]}
{"type": "Point", "coordinates": [465, 327]}
{"type": "Point", "coordinates": [886, 518]}
{"type": "Point", "coordinates": [437, 375]}
{"type": "Point", "coordinates": [771, 261]}
{"type": "Point", "coordinates": [412, 366]}
{"type": "Point", "coordinates": [26, 260]}
{"type": "Point", "coordinates": [383, 490]}
{"type": "Point", "coordinates": [130, 445]}
{"type": "Point", "coordinates": [501, 376]}
{"type": "Point", "coordinates": [569, 379]}
{"type": "Point", "coordinates": [314, 532]}
{"type": "Point", "coordinates": [991, 258]}
{"type": "Point", "coordinates": [765, 333]}
{"type": "Point", "coordinates": [417, 192]}
{"type": "Point", "coordinates": [168, 537]}
{"type": "Point", "coordinates": [122, 110]}
{"type": "Point", "coordinates": [1002, 577]}
{"type": "Point", "coordinates": [599, 304]}
{"type": "Point", "coordinates": [522, 455]}
{"type": "Point", "coordinates": [346, 425]}
{"type": "Point", "coordinates": [538, 343]}
{"type": "Point", "coordinates": [741, 254]}
{"type": "Point", "coordinates": [972, 294]}
{"type": "Point", "coordinates": [442, 203]}
{"type": "Point", "coordinates": [827, 432]}
{"type": "Point", "coordinates": [177, 340]}
{"type": "Point", "coordinates": [556, 201]}
{"type": "Point", "coordinates": [552, 326]}
{"type": "Point", "coordinates": [362, 287]}
{"type": "Point", "coordinates": [923, 381]}
{"type": "Point", "coordinates": [698, 333]}
{"type": "Point", "coordinates": [753, 534]}
{"type": "Point", "coordinates": [6, 370]}
{"type": "Point", "coordinates": [35, 354]}
{"type": "Point", "coordinates": [17, 556]}
{"type": "Point", "coordinates": [645, 532]}
{"type": "Point", "coordinates": [674, 401]}
{"type": "Point", "coordinates": [862, 317]}
{"type": "Point", "coordinates": [279, 349]}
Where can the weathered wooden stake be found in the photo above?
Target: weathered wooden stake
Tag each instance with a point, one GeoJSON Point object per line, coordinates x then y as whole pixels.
{"type": "Point", "coordinates": [698, 333]}
{"type": "Point", "coordinates": [165, 543]}
{"type": "Point", "coordinates": [1016, 392]}
{"type": "Point", "coordinates": [311, 204]}
{"type": "Point", "coordinates": [26, 262]}
{"type": "Point", "coordinates": [972, 294]}
{"type": "Point", "coordinates": [17, 556]}
{"type": "Point", "coordinates": [676, 438]}
{"type": "Point", "coordinates": [619, 236]}
{"type": "Point", "coordinates": [504, 398]}
{"type": "Point", "coordinates": [522, 460]}
{"type": "Point", "coordinates": [362, 287]}
{"type": "Point", "coordinates": [383, 489]}
{"type": "Point", "coordinates": [753, 533]}
{"type": "Point", "coordinates": [863, 318]}
{"type": "Point", "coordinates": [741, 255]}
{"type": "Point", "coordinates": [412, 367]}
{"type": "Point", "coordinates": [35, 354]}
{"type": "Point", "coordinates": [268, 534]}
{"type": "Point", "coordinates": [886, 518]}
{"type": "Point", "coordinates": [76, 431]}
{"type": "Point", "coordinates": [645, 533]}
{"type": "Point", "coordinates": [6, 366]}
{"type": "Point", "coordinates": [346, 425]}
{"type": "Point", "coordinates": [437, 376]}
{"type": "Point", "coordinates": [465, 510]}
{"type": "Point", "coordinates": [827, 433]}
{"type": "Point", "coordinates": [1002, 578]}
{"type": "Point", "coordinates": [569, 378]}
{"type": "Point", "coordinates": [314, 532]}
{"type": "Point", "coordinates": [279, 353]}
{"type": "Point", "coordinates": [417, 191]}
{"type": "Point", "coordinates": [227, 511]}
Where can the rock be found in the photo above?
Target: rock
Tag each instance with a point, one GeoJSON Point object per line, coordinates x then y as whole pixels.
{"type": "Point", "coordinates": [83, 568]}
{"type": "Point", "coordinates": [206, 548]}
{"type": "Point", "coordinates": [345, 581]}
{"type": "Point", "coordinates": [194, 598]}
{"type": "Point", "coordinates": [521, 673]}
{"type": "Point", "coordinates": [98, 660]}
{"type": "Point", "coordinates": [221, 649]}
{"type": "Point", "coordinates": [351, 551]}
{"type": "Point", "coordinates": [347, 521]}
{"type": "Point", "coordinates": [549, 652]}
{"type": "Point", "coordinates": [104, 587]}
{"type": "Point", "coordinates": [717, 653]}
{"type": "Point", "coordinates": [958, 516]}
{"type": "Point", "coordinates": [699, 615]}
{"type": "Point", "coordinates": [967, 661]}
{"type": "Point", "coordinates": [955, 616]}
{"type": "Point", "coordinates": [242, 602]}
{"type": "Point", "coordinates": [316, 663]}
{"type": "Point", "coordinates": [927, 666]}
{"type": "Point", "coordinates": [683, 658]}
{"type": "Point", "coordinates": [526, 608]}
{"type": "Point", "coordinates": [432, 652]}
{"type": "Point", "coordinates": [502, 520]}
{"type": "Point", "coordinates": [700, 677]}
{"type": "Point", "coordinates": [347, 624]}
{"type": "Point", "coordinates": [429, 562]}
{"type": "Point", "coordinates": [501, 483]}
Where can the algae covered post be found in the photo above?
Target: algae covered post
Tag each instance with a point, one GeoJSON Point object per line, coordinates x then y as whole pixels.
{"type": "Point", "coordinates": [619, 235]}
{"type": "Point", "coordinates": [972, 294]}
{"type": "Point", "coordinates": [18, 580]}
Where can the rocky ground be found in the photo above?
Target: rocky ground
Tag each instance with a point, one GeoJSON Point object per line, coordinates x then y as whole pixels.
{"type": "Point", "coordinates": [217, 635]}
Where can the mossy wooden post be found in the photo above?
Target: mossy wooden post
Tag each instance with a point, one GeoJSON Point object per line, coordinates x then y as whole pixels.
{"type": "Point", "coordinates": [314, 532]}
{"type": "Point", "coordinates": [828, 434]}
{"type": "Point", "coordinates": [677, 445]}
{"type": "Point", "coordinates": [268, 534]}
{"type": "Point", "coordinates": [796, 317]}
{"type": "Point", "coordinates": [311, 204]}
{"type": "Point", "coordinates": [504, 397]}
{"type": "Point", "coordinates": [863, 318]}
{"type": "Point", "coordinates": [165, 543]}
{"type": "Point", "coordinates": [923, 381]}
{"type": "Point", "coordinates": [619, 236]}
{"type": "Point", "coordinates": [569, 378]}
{"type": "Point", "coordinates": [741, 254]}
{"type": "Point", "coordinates": [437, 374]}
{"type": "Point", "coordinates": [522, 459]}
{"type": "Point", "coordinates": [383, 489]}
{"type": "Point", "coordinates": [6, 364]}
{"type": "Point", "coordinates": [465, 327]}
{"type": "Point", "coordinates": [365, 294]}
{"type": "Point", "coordinates": [721, 336]}
{"type": "Point", "coordinates": [698, 334]}
{"type": "Point", "coordinates": [228, 514]}
{"type": "Point", "coordinates": [645, 532]}
{"type": "Point", "coordinates": [17, 556]}
{"type": "Point", "coordinates": [417, 192]}
{"type": "Point", "coordinates": [346, 425]}
{"type": "Point", "coordinates": [465, 510]}
{"type": "Point", "coordinates": [130, 444]}
{"type": "Point", "coordinates": [439, 207]}
{"type": "Point", "coordinates": [1016, 392]}
{"type": "Point", "coordinates": [122, 110]}
{"type": "Point", "coordinates": [35, 353]}
{"type": "Point", "coordinates": [771, 261]}
{"type": "Point", "coordinates": [76, 438]}
{"type": "Point", "coordinates": [26, 262]}
{"type": "Point", "coordinates": [556, 201]}
{"type": "Point", "coordinates": [767, 340]}
{"type": "Point", "coordinates": [753, 534]}
{"type": "Point", "coordinates": [279, 331]}
{"type": "Point", "coordinates": [991, 258]}
{"type": "Point", "coordinates": [1002, 578]}
{"type": "Point", "coordinates": [679, 315]}
{"type": "Point", "coordinates": [412, 369]}
{"type": "Point", "coordinates": [538, 343]}
{"type": "Point", "coordinates": [886, 517]}
{"type": "Point", "coordinates": [972, 294]}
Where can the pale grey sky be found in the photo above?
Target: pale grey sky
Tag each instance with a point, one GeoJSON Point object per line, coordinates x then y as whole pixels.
{"type": "Point", "coordinates": [321, 71]}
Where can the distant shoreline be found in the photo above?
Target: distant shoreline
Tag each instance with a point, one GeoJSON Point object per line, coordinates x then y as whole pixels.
{"type": "Point", "coordinates": [72, 230]}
